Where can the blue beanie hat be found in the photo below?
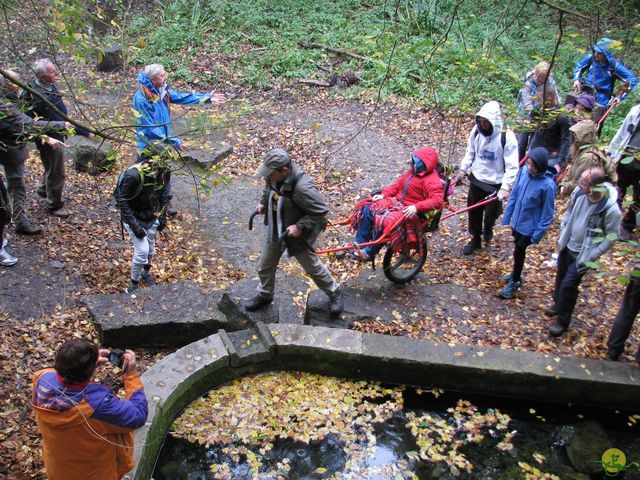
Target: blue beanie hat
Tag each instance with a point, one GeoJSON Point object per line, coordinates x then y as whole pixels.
{"type": "Point", "coordinates": [540, 158]}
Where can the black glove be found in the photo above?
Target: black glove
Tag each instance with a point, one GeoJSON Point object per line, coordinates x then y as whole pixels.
{"type": "Point", "coordinates": [139, 232]}
{"type": "Point", "coordinates": [162, 225]}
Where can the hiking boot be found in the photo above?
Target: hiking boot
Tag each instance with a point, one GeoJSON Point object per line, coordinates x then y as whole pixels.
{"type": "Point", "coordinates": [148, 279]}
{"type": "Point", "coordinates": [551, 311]}
{"type": "Point", "coordinates": [625, 235]}
{"type": "Point", "coordinates": [473, 245]}
{"type": "Point", "coordinates": [511, 289]}
{"type": "Point", "coordinates": [27, 227]}
{"type": "Point", "coordinates": [257, 302]}
{"type": "Point", "coordinates": [60, 213]}
{"type": "Point", "coordinates": [336, 302]}
{"type": "Point", "coordinates": [556, 330]}
{"type": "Point", "coordinates": [133, 287]}
{"type": "Point", "coordinates": [41, 193]}
{"type": "Point", "coordinates": [507, 278]}
{"type": "Point", "coordinates": [6, 259]}
{"type": "Point", "coordinates": [613, 356]}
{"type": "Point", "coordinates": [487, 236]}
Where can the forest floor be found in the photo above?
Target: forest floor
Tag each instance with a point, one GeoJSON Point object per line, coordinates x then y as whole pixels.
{"type": "Point", "coordinates": [349, 147]}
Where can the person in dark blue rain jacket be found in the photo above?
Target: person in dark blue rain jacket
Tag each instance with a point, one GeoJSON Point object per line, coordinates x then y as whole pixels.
{"type": "Point", "coordinates": [602, 71]}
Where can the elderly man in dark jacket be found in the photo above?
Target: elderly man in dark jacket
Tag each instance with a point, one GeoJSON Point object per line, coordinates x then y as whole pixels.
{"type": "Point", "coordinates": [52, 157]}
{"type": "Point", "coordinates": [293, 207]}
{"type": "Point", "coordinates": [142, 193]}
{"type": "Point", "coordinates": [16, 130]}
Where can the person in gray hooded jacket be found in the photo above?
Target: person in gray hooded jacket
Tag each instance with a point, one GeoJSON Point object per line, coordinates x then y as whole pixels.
{"type": "Point", "coordinates": [293, 207]}
{"type": "Point", "coordinates": [588, 230]}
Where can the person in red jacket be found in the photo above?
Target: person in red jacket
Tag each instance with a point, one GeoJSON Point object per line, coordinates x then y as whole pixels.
{"type": "Point", "coordinates": [414, 194]}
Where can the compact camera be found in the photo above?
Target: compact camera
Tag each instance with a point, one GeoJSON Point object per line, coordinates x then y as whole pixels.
{"type": "Point", "coordinates": [116, 357]}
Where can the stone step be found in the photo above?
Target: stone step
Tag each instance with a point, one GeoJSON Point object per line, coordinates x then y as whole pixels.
{"type": "Point", "coordinates": [165, 315]}
{"type": "Point", "coordinates": [254, 345]}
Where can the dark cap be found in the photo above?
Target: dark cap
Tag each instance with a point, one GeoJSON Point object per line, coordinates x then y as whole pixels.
{"type": "Point", "coordinates": [274, 159]}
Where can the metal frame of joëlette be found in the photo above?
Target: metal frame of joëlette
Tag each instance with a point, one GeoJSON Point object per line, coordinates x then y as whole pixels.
{"type": "Point", "coordinates": [385, 238]}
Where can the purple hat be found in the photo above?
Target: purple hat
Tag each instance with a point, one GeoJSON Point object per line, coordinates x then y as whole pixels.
{"type": "Point", "coordinates": [586, 100]}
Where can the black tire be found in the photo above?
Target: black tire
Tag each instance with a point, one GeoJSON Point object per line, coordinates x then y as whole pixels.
{"type": "Point", "coordinates": [402, 266]}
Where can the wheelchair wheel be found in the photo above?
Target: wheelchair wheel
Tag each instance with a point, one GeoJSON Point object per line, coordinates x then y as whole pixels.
{"type": "Point", "coordinates": [403, 265]}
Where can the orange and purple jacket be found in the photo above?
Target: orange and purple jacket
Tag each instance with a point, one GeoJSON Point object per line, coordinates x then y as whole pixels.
{"type": "Point", "coordinates": [87, 432]}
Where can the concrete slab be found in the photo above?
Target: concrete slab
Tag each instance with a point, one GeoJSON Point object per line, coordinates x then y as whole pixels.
{"type": "Point", "coordinates": [166, 315]}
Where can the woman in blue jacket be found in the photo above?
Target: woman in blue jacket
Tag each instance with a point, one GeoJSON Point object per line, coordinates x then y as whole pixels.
{"type": "Point", "coordinates": [529, 212]}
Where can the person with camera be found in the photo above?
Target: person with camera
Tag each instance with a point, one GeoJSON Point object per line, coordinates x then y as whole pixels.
{"type": "Point", "coordinates": [87, 431]}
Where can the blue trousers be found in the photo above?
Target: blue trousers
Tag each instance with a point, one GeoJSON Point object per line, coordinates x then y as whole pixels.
{"type": "Point", "coordinates": [366, 232]}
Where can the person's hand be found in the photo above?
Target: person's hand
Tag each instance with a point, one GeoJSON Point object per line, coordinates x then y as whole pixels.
{"type": "Point", "coordinates": [502, 194]}
{"type": "Point", "coordinates": [129, 362]}
{"type": "Point", "coordinates": [576, 87]}
{"type": "Point", "coordinates": [293, 231]}
{"type": "Point", "coordinates": [260, 208]}
{"type": "Point", "coordinates": [140, 233]}
{"type": "Point", "coordinates": [52, 142]}
{"type": "Point", "coordinates": [558, 167]}
{"type": "Point", "coordinates": [161, 225]}
{"type": "Point", "coordinates": [217, 97]}
{"type": "Point", "coordinates": [457, 178]}
{"type": "Point", "coordinates": [90, 135]}
{"type": "Point", "coordinates": [68, 125]}
{"type": "Point", "coordinates": [615, 101]}
{"type": "Point", "coordinates": [103, 355]}
{"type": "Point", "coordinates": [410, 211]}
{"type": "Point", "coordinates": [377, 197]}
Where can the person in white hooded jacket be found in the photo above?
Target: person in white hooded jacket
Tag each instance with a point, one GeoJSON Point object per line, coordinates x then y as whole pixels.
{"type": "Point", "coordinates": [491, 161]}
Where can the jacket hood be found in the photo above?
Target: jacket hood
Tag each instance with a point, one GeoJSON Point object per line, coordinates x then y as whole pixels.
{"type": "Point", "coordinates": [491, 111]}
{"type": "Point", "coordinates": [146, 82]}
{"type": "Point", "coordinates": [429, 157]}
{"type": "Point", "coordinates": [540, 158]}
{"type": "Point", "coordinates": [585, 133]}
{"type": "Point", "coordinates": [602, 46]}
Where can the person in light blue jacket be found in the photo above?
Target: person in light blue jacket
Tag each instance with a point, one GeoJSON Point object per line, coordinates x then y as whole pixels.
{"type": "Point", "coordinates": [529, 212]}
{"type": "Point", "coordinates": [152, 103]}
{"type": "Point", "coordinates": [602, 71]}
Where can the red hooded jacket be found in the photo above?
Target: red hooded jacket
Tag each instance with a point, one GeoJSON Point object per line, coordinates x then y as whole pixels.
{"type": "Point", "coordinates": [423, 189]}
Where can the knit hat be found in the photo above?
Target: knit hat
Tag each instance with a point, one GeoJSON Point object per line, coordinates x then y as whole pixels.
{"type": "Point", "coordinates": [540, 158]}
{"type": "Point", "coordinates": [587, 100]}
{"type": "Point", "coordinates": [274, 159]}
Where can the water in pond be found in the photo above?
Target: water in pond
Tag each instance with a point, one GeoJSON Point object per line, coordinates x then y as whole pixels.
{"type": "Point", "coordinates": [302, 426]}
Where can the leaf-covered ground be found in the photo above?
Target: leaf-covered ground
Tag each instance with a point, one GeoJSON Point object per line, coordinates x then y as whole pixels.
{"type": "Point", "coordinates": [85, 254]}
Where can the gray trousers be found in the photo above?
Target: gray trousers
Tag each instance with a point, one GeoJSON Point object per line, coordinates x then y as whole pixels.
{"type": "Point", "coordinates": [309, 261]}
{"type": "Point", "coordinates": [143, 249]}
{"type": "Point", "coordinates": [13, 162]}
{"type": "Point", "coordinates": [53, 176]}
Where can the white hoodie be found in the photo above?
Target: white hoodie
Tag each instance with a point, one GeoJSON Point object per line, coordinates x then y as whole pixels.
{"type": "Point", "coordinates": [485, 157]}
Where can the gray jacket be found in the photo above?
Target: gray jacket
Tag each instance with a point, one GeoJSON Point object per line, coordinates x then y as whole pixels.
{"type": "Point", "coordinates": [305, 207]}
{"type": "Point", "coordinates": [604, 221]}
